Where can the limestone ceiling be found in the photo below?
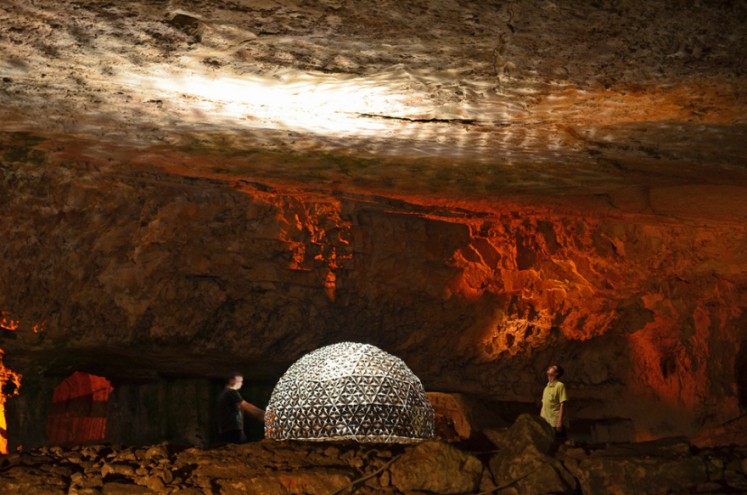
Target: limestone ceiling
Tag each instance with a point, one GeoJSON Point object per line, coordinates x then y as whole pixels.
{"type": "Point", "coordinates": [637, 106]}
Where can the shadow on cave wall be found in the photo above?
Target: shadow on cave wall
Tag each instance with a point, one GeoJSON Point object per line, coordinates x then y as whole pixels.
{"type": "Point", "coordinates": [740, 372]}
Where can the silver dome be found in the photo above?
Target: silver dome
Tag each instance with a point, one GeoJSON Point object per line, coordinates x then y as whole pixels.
{"type": "Point", "coordinates": [349, 391]}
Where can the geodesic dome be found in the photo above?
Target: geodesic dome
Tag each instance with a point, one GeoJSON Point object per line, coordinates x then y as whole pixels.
{"type": "Point", "coordinates": [349, 391]}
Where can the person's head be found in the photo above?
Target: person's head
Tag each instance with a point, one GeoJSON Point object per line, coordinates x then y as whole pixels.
{"type": "Point", "coordinates": [234, 380]}
{"type": "Point", "coordinates": [554, 372]}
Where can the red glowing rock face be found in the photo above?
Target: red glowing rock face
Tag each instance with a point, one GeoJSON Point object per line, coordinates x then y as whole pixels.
{"type": "Point", "coordinates": [614, 300]}
{"type": "Point", "coordinates": [7, 323]}
{"type": "Point", "coordinates": [78, 411]}
{"type": "Point", "coordinates": [9, 384]}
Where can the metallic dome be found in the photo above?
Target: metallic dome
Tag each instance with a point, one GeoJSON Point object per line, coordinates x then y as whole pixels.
{"type": "Point", "coordinates": [349, 391]}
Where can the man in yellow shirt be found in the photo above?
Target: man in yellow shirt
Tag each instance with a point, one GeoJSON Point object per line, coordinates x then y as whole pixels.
{"type": "Point", "coordinates": [554, 398]}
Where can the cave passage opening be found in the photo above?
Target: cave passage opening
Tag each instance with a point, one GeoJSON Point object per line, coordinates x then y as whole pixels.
{"type": "Point", "coordinates": [79, 410]}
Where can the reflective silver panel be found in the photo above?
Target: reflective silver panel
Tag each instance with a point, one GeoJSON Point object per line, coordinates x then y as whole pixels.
{"type": "Point", "coordinates": [349, 391]}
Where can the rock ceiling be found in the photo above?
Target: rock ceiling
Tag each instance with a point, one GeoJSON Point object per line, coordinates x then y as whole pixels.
{"type": "Point", "coordinates": [628, 103]}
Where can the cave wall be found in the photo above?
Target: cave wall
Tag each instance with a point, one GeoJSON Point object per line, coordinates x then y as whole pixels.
{"type": "Point", "coordinates": [180, 411]}
{"type": "Point", "coordinates": [27, 413]}
{"type": "Point", "coordinates": [177, 411]}
{"type": "Point", "coordinates": [140, 274]}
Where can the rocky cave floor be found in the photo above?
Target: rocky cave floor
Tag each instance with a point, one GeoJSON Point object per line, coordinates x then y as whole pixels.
{"type": "Point", "coordinates": [521, 459]}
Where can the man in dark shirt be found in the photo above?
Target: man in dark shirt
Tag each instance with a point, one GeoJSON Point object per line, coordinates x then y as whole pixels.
{"type": "Point", "coordinates": [231, 409]}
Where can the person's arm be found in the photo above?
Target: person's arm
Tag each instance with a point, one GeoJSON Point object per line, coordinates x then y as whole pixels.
{"type": "Point", "coordinates": [561, 415]}
{"type": "Point", "coordinates": [252, 410]}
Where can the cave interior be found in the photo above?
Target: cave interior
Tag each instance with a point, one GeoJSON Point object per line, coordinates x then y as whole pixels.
{"type": "Point", "coordinates": [479, 188]}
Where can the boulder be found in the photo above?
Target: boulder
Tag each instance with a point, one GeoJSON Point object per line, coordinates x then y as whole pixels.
{"type": "Point", "coordinates": [437, 468]}
{"type": "Point", "coordinates": [116, 488]}
{"type": "Point", "coordinates": [118, 469]}
{"type": "Point", "coordinates": [730, 433]}
{"type": "Point", "coordinates": [306, 482]}
{"type": "Point", "coordinates": [662, 466]}
{"type": "Point", "coordinates": [635, 475]}
{"type": "Point", "coordinates": [523, 461]}
{"type": "Point", "coordinates": [23, 480]}
{"type": "Point", "coordinates": [459, 416]}
{"type": "Point", "coordinates": [527, 430]}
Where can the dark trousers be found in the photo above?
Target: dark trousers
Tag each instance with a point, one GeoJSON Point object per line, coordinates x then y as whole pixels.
{"type": "Point", "coordinates": [233, 436]}
{"type": "Point", "coordinates": [561, 434]}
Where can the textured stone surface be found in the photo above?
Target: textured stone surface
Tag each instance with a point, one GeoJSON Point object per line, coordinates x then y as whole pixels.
{"type": "Point", "coordinates": [631, 103]}
{"type": "Point", "coordinates": [626, 474]}
{"type": "Point", "coordinates": [523, 461]}
{"type": "Point", "coordinates": [436, 467]}
{"type": "Point", "coordinates": [320, 482]}
{"type": "Point", "coordinates": [587, 86]}
{"type": "Point", "coordinates": [187, 187]}
{"type": "Point", "coordinates": [163, 276]}
{"type": "Point", "coordinates": [528, 432]}
{"type": "Point", "coordinates": [460, 417]}
{"type": "Point", "coordinates": [453, 419]}
{"type": "Point", "coordinates": [667, 466]}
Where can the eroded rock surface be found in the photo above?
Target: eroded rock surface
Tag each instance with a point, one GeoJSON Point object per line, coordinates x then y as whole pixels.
{"type": "Point", "coordinates": [175, 275]}
{"type": "Point", "coordinates": [529, 96]}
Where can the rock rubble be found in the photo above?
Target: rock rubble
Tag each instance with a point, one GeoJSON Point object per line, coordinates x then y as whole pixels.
{"type": "Point", "coordinates": [524, 459]}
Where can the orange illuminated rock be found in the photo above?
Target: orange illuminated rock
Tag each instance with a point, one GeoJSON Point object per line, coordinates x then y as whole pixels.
{"type": "Point", "coordinates": [9, 385]}
{"type": "Point", "coordinates": [642, 310]}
